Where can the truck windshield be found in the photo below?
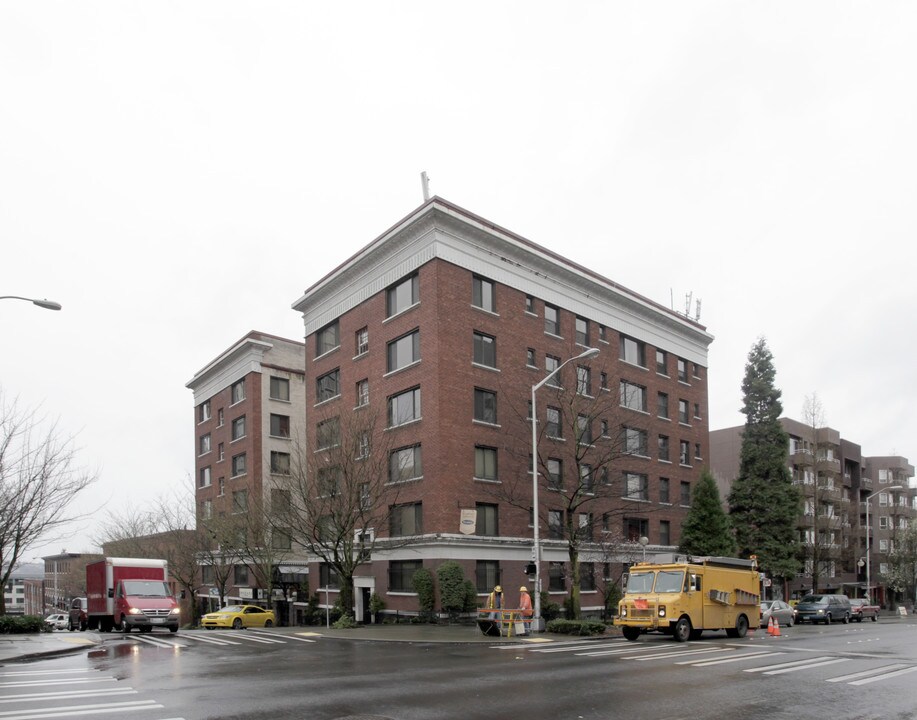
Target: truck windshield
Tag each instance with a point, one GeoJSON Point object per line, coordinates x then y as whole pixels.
{"type": "Point", "coordinates": [669, 581]}
{"type": "Point", "coordinates": [640, 583]}
{"type": "Point", "coordinates": [146, 588]}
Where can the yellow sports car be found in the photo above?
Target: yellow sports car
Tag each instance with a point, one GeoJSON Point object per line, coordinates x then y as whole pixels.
{"type": "Point", "coordinates": [238, 617]}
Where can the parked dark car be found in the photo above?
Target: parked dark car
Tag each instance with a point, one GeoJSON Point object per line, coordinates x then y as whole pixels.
{"type": "Point", "coordinates": [861, 608]}
{"type": "Point", "coordinates": [77, 619]}
{"type": "Point", "coordinates": [823, 609]}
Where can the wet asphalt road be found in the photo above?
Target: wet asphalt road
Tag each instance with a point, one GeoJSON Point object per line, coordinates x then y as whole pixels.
{"type": "Point", "coordinates": [841, 671]}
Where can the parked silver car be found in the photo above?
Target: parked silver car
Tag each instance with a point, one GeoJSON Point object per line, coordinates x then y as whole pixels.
{"type": "Point", "coordinates": [779, 610]}
{"type": "Point", "coordinates": [57, 621]}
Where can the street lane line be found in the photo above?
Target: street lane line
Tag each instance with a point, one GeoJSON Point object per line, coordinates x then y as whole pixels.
{"type": "Point", "coordinates": [49, 672]}
{"type": "Point", "coordinates": [268, 634]}
{"type": "Point", "coordinates": [574, 648]}
{"type": "Point", "coordinates": [813, 663]}
{"type": "Point", "coordinates": [211, 640]}
{"type": "Point", "coordinates": [63, 694]}
{"type": "Point", "coordinates": [244, 635]}
{"type": "Point", "coordinates": [705, 663]}
{"type": "Point", "coordinates": [866, 681]}
{"type": "Point", "coordinates": [158, 643]}
{"type": "Point", "coordinates": [793, 663]}
{"type": "Point", "coordinates": [74, 710]}
{"type": "Point", "coordinates": [74, 681]}
{"type": "Point", "coordinates": [867, 673]}
{"type": "Point", "coordinates": [678, 653]}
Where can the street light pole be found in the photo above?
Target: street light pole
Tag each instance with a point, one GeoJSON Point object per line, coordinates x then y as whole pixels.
{"type": "Point", "coordinates": [537, 622]}
{"type": "Point", "coordinates": [46, 304]}
{"type": "Point", "coordinates": [870, 497]}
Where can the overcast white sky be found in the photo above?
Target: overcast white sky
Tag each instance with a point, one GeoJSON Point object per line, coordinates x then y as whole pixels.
{"type": "Point", "coordinates": [177, 173]}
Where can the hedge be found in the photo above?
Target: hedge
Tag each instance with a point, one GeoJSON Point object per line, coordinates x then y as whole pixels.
{"type": "Point", "coordinates": [576, 627]}
{"type": "Point", "coordinates": [21, 624]}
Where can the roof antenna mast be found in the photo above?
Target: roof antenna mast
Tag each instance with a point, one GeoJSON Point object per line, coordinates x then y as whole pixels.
{"type": "Point", "coordinates": [425, 183]}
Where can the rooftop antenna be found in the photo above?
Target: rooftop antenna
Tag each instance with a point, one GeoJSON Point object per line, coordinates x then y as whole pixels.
{"type": "Point", "coordinates": [688, 297]}
{"type": "Point", "coordinates": [697, 311]}
{"type": "Point", "coordinates": [425, 183]}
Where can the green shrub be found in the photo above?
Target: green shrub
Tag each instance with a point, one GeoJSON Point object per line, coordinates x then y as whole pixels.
{"type": "Point", "coordinates": [576, 627]}
{"type": "Point", "coordinates": [426, 594]}
{"type": "Point", "coordinates": [376, 605]}
{"type": "Point", "coordinates": [471, 597]}
{"type": "Point", "coordinates": [21, 624]}
{"type": "Point", "coordinates": [344, 622]}
{"type": "Point", "coordinates": [452, 589]}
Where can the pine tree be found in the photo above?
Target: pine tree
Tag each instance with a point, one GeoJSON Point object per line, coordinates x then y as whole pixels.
{"type": "Point", "coordinates": [706, 530]}
{"type": "Point", "coordinates": [764, 504]}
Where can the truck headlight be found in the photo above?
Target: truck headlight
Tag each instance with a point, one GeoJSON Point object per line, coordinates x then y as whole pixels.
{"type": "Point", "coordinates": [135, 611]}
{"type": "Point", "coordinates": [662, 611]}
{"type": "Point", "coordinates": [175, 611]}
{"type": "Point", "coordinates": [624, 611]}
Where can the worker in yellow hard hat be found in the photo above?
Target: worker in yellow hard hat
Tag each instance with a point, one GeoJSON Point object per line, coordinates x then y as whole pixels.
{"type": "Point", "coordinates": [495, 599]}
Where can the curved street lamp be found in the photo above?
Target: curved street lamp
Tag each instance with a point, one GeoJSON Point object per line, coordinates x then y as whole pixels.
{"type": "Point", "coordinates": [537, 622]}
{"type": "Point", "coordinates": [46, 304]}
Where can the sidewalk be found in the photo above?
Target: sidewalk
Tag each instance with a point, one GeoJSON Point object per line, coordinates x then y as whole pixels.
{"type": "Point", "coordinates": [19, 647]}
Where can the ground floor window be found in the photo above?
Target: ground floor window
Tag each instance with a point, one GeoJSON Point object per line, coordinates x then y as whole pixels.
{"type": "Point", "coordinates": [556, 577]}
{"type": "Point", "coordinates": [487, 575]}
{"type": "Point", "coordinates": [401, 574]}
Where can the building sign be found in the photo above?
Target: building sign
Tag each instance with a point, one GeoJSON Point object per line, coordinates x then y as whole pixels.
{"type": "Point", "coordinates": [468, 521]}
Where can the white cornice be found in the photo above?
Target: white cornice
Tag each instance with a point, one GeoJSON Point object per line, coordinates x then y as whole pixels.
{"type": "Point", "coordinates": [235, 363]}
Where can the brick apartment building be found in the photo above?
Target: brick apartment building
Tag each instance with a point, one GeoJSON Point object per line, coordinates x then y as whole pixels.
{"type": "Point", "coordinates": [443, 325]}
{"type": "Point", "coordinates": [836, 481]}
{"type": "Point", "coordinates": [248, 408]}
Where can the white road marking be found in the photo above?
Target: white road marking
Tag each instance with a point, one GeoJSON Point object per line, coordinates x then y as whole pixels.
{"type": "Point", "coordinates": [866, 681]}
{"type": "Point", "coordinates": [738, 658]}
{"type": "Point", "coordinates": [62, 694]}
{"type": "Point", "coordinates": [74, 710]}
{"type": "Point", "coordinates": [867, 673]}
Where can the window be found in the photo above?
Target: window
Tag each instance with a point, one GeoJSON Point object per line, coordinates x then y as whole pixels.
{"type": "Point", "coordinates": [327, 339]}
{"type": "Point", "coordinates": [636, 486]}
{"type": "Point", "coordinates": [604, 428]}
{"type": "Point", "coordinates": [552, 426]}
{"type": "Point", "coordinates": [587, 576]}
{"type": "Point", "coordinates": [633, 351]}
{"type": "Point", "coordinates": [238, 464]}
{"type": "Point", "coordinates": [557, 581]}
{"type": "Point", "coordinates": [240, 575]}
{"type": "Point", "coordinates": [203, 411]}
{"type": "Point", "coordinates": [662, 405]}
{"type": "Point", "coordinates": [664, 490]}
{"type": "Point", "coordinates": [328, 433]}
{"type": "Point", "coordinates": [697, 454]}
{"type": "Point", "coordinates": [530, 358]}
{"type": "Point", "coordinates": [487, 520]}
{"type": "Point", "coordinates": [584, 430]}
{"type": "Point", "coordinates": [404, 407]}
{"type": "Point", "coordinates": [280, 389]}
{"type": "Point", "coordinates": [221, 487]}
{"type": "Point", "coordinates": [482, 294]}
{"type": "Point", "coordinates": [239, 501]}
{"type": "Point", "coordinates": [486, 575]}
{"type": "Point", "coordinates": [635, 441]}
{"type": "Point", "coordinates": [551, 320]}
{"type": "Point", "coordinates": [883, 522]}
{"type": "Point", "coordinates": [530, 304]}
{"type": "Point", "coordinates": [204, 477]}
{"type": "Point", "coordinates": [329, 481]}
{"type": "Point", "coordinates": [603, 380]}
{"type": "Point", "coordinates": [485, 463]}
{"type": "Point", "coordinates": [363, 446]}
{"type": "Point", "coordinates": [237, 392]}
{"type": "Point", "coordinates": [328, 386]}
{"type": "Point", "coordinates": [555, 524]}
{"type": "Point", "coordinates": [585, 479]}
{"type": "Point", "coordinates": [665, 532]}
{"type": "Point", "coordinates": [555, 474]}
{"type": "Point", "coordinates": [551, 366]}
{"type": "Point", "coordinates": [685, 493]}
{"type": "Point", "coordinates": [401, 574]}
{"type": "Point", "coordinates": [220, 451]}
{"type": "Point", "coordinates": [361, 341]}
{"type": "Point", "coordinates": [220, 417]}
{"type": "Point", "coordinates": [683, 452]}
{"type": "Point", "coordinates": [204, 445]}
{"type": "Point", "coordinates": [636, 528]}
{"type": "Point", "coordinates": [280, 425]}
{"type": "Point", "coordinates": [633, 396]}
{"type": "Point", "coordinates": [405, 464]}
{"type": "Point", "coordinates": [582, 331]}
{"type": "Point", "coordinates": [683, 411]}
{"type": "Point", "coordinates": [583, 380]}
{"type": "Point", "coordinates": [280, 463]}
{"type": "Point", "coordinates": [404, 351]}
{"type": "Point", "coordinates": [363, 393]}
{"type": "Point", "coordinates": [662, 362]}
{"type": "Point", "coordinates": [584, 527]}
{"type": "Point", "coordinates": [485, 350]}
{"type": "Point", "coordinates": [401, 296]}
{"type": "Point", "coordinates": [238, 428]}
{"type": "Point", "coordinates": [406, 519]}
{"type": "Point", "coordinates": [697, 411]}
{"type": "Point", "coordinates": [682, 370]}
{"type": "Point", "coordinates": [663, 447]}
{"type": "Point", "coordinates": [281, 539]}
{"type": "Point", "coordinates": [328, 576]}
{"type": "Point", "coordinates": [485, 406]}
{"type": "Point", "coordinates": [603, 333]}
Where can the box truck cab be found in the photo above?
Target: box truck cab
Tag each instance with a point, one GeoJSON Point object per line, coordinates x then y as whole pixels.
{"type": "Point", "coordinates": [682, 599]}
{"type": "Point", "coordinates": [128, 593]}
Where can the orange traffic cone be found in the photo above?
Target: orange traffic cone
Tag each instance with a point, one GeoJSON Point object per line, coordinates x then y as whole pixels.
{"type": "Point", "coordinates": [776, 627]}
{"type": "Point", "coordinates": [770, 626]}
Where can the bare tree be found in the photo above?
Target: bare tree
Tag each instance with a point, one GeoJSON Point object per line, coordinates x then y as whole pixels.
{"type": "Point", "coordinates": [338, 502]}
{"type": "Point", "coordinates": [38, 481]}
{"type": "Point", "coordinates": [585, 434]}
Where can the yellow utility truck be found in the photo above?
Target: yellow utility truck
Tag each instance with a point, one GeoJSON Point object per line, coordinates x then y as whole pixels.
{"type": "Point", "coordinates": [682, 599]}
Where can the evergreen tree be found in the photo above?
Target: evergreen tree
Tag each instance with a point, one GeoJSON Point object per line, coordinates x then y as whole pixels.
{"type": "Point", "coordinates": [764, 504]}
{"type": "Point", "coordinates": [706, 530]}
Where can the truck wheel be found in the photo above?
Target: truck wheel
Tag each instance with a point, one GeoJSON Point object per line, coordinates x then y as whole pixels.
{"type": "Point", "coordinates": [630, 633]}
{"type": "Point", "coordinates": [875, 617]}
{"type": "Point", "coordinates": [83, 626]}
{"type": "Point", "coordinates": [682, 630]}
{"type": "Point", "coordinates": [125, 628]}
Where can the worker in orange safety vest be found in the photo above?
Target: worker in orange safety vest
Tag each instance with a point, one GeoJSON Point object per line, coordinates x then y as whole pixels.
{"type": "Point", "coordinates": [525, 602]}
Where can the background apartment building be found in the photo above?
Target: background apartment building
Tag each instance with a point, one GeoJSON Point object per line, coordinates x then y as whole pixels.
{"type": "Point", "coordinates": [248, 411]}
{"type": "Point", "coordinates": [835, 482]}
{"type": "Point", "coordinates": [442, 326]}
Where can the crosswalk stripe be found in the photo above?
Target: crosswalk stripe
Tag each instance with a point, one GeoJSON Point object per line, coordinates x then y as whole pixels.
{"type": "Point", "coordinates": [793, 663]}
{"type": "Point", "coordinates": [681, 653]}
{"type": "Point", "coordinates": [49, 672]}
{"type": "Point", "coordinates": [157, 642]}
{"type": "Point", "coordinates": [738, 658]}
{"type": "Point", "coordinates": [210, 640]}
{"type": "Point", "coordinates": [806, 667]}
{"type": "Point", "coordinates": [265, 633]}
{"type": "Point", "coordinates": [73, 710]}
{"type": "Point", "coordinates": [63, 694]}
{"type": "Point", "coordinates": [867, 673]}
{"type": "Point", "coordinates": [903, 671]}
{"type": "Point", "coordinates": [622, 651]}
{"type": "Point", "coordinates": [251, 637]}
{"type": "Point", "coordinates": [73, 681]}
{"type": "Point", "coordinates": [573, 648]}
